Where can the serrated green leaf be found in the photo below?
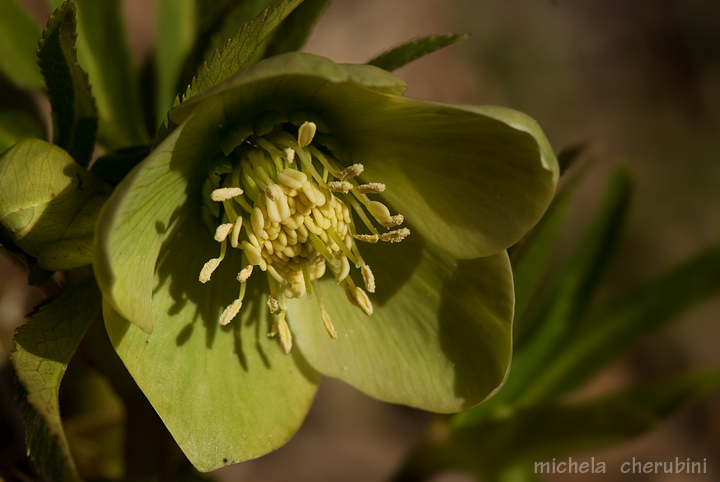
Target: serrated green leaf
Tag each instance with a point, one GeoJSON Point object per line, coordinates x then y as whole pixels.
{"type": "Point", "coordinates": [43, 349]}
{"type": "Point", "coordinates": [543, 432]}
{"type": "Point", "coordinates": [18, 40]}
{"type": "Point", "coordinates": [238, 50]}
{"type": "Point", "coordinates": [73, 106]}
{"type": "Point", "coordinates": [414, 49]}
{"type": "Point", "coordinates": [236, 18]}
{"type": "Point", "coordinates": [613, 330]}
{"type": "Point", "coordinates": [295, 29]}
{"type": "Point", "coordinates": [104, 54]}
{"type": "Point", "coordinates": [176, 32]}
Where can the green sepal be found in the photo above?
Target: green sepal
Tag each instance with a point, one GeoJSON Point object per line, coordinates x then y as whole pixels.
{"type": "Point", "coordinates": [74, 114]}
{"type": "Point", "coordinates": [18, 40]}
{"type": "Point", "coordinates": [43, 349]}
{"type": "Point", "coordinates": [238, 50]}
{"type": "Point", "coordinates": [415, 49]}
{"type": "Point", "coordinates": [50, 204]}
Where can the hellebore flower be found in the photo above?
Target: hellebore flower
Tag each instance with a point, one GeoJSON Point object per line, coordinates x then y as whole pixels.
{"type": "Point", "coordinates": [294, 168]}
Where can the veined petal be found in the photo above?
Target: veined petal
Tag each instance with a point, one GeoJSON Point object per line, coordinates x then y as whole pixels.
{"type": "Point", "coordinates": [473, 179]}
{"type": "Point", "coordinates": [439, 337]}
{"type": "Point", "coordinates": [226, 393]}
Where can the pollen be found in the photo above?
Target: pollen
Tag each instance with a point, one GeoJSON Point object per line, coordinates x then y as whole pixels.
{"type": "Point", "coordinates": [290, 207]}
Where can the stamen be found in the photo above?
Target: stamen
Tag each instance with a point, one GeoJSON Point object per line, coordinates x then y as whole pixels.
{"type": "Point", "coordinates": [207, 270]}
{"type": "Point", "coordinates": [274, 305]}
{"type": "Point", "coordinates": [328, 325]}
{"type": "Point", "coordinates": [306, 133]}
{"type": "Point", "coordinates": [222, 231]}
{"type": "Point", "coordinates": [380, 212]}
{"type": "Point", "coordinates": [344, 270]}
{"type": "Point", "coordinates": [225, 193]}
{"type": "Point", "coordinates": [289, 155]}
{"type": "Point", "coordinates": [245, 273]}
{"type": "Point", "coordinates": [395, 236]}
{"type": "Point", "coordinates": [368, 278]}
{"type": "Point", "coordinates": [351, 171]}
{"type": "Point", "coordinates": [341, 244]}
{"type": "Point", "coordinates": [359, 298]}
{"type": "Point", "coordinates": [292, 178]}
{"type": "Point", "coordinates": [340, 186]}
{"type": "Point", "coordinates": [235, 239]}
{"type": "Point", "coordinates": [367, 238]}
{"type": "Point", "coordinates": [306, 277]}
{"type": "Point", "coordinates": [281, 327]}
{"type": "Point", "coordinates": [230, 312]}
{"type": "Point", "coordinates": [397, 220]}
{"type": "Point", "coordinates": [371, 188]}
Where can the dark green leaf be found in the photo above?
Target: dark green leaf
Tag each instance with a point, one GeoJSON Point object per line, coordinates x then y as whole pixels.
{"type": "Point", "coordinates": [73, 106]}
{"type": "Point", "coordinates": [613, 330]}
{"type": "Point", "coordinates": [238, 50]}
{"type": "Point", "coordinates": [413, 50]}
{"type": "Point", "coordinates": [43, 349]}
{"type": "Point", "coordinates": [103, 52]}
{"type": "Point", "coordinates": [236, 18]}
{"type": "Point", "coordinates": [295, 30]}
{"type": "Point", "coordinates": [543, 432]}
{"type": "Point", "coordinates": [19, 33]}
{"type": "Point", "coordinates": [176, 36]}
{"type": "Point", "coordinates": [211, 12]}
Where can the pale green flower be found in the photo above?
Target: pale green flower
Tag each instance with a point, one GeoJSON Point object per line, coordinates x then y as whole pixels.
{"type": "Point", "coordinates": [277, 145]}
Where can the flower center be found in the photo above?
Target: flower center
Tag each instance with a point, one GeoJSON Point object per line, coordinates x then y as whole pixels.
{"type": "Point", "coordinates": [281, 196]}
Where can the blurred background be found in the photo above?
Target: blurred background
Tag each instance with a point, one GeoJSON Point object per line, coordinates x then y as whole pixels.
{"type": "Point", "coordinates": [638, 82]}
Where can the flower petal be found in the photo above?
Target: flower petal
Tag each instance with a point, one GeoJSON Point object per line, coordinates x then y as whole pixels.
{"type": "Point", "coordinates": [228, 393]}
{"type": "Point", "coordinates": [474, 179]}
{"type": "Point", "coordinates": [439, 338]}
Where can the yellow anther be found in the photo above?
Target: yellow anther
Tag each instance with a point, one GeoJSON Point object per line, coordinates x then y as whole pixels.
{"type": "Point", "coordinates": [235, 238]}
{"type": "Point", "coordinates": [289, 155]}
{"type": "Point", "coordinates": [208, 268]}
{"type": "Point", "coordinates": [351, 171]}
{"type": "Point", "coordinates": [306, 133]}
{"type": "Point", "coordinates": [276, 204]}
{"type": "Point", "coordinates": [396, 220]}
{"type": "Point", "coordinates": [230, 312]}
{"type": "Point", "coordinates": [292, 178]}
{"type": "Point", "coordinates": [340, 186]}
{"type": "Point", "coordinates": [245, 273]}
{"type": "Point", "coordinates": [343, 271]}
{"type": "Point", "coordinates": [257, 220]}
{"type": "Point", "coordinates": [379, 211]}
{"type": "Point", "coordinates": [367, 238]}
{"type": "Point", "coordinates": [222, 231]}
{"type": "Point", "coordinates": [252, 253]}
{"type": "Point", "coordinates": [395, 236]}
{"type": "Point", "coordinates": [281, 327]}
{"type": "Point", "coordinates": [328, 325]}
{"type": "Point", "coordinates": [359, 298]}
{"type": "Point", "coordinates": [368, 278]}
{"type": "Point", "coordinates": [371, 188]}
{"type": "Point", "coordinates": [225, 193]}
{"type": "Point", "coordinates": [274, 305]}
